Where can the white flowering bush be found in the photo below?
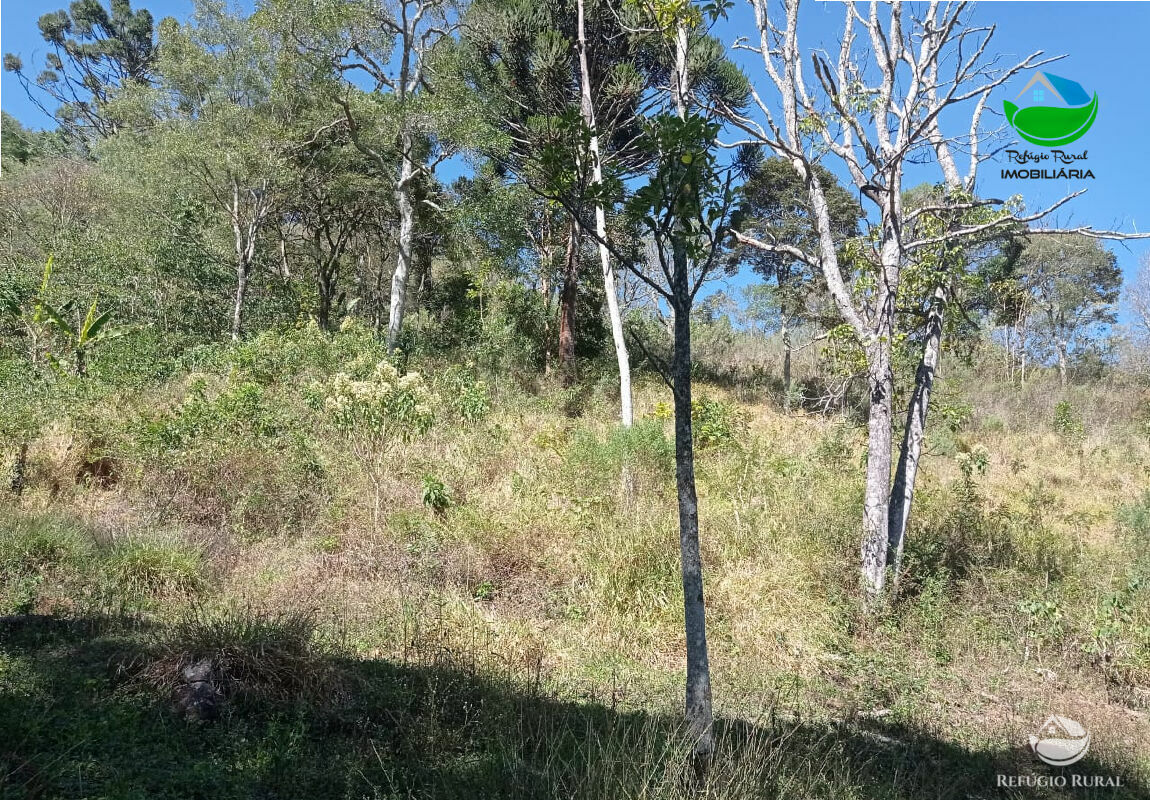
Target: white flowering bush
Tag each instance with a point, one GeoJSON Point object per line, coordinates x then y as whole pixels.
{"type": "Point", "coordinates": [376, 414]}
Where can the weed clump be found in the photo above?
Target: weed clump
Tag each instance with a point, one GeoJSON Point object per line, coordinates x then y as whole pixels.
{"type": "Point", "coordinates": [147, 568]}
{"type": "Point", "coordinates": [252, 659]}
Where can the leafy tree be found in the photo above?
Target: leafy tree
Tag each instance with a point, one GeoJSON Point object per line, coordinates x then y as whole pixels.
{"type": "Point", "coordinates": [563, 81]}
{"type": "Point", "coordinates": [96, 52]}
{"type": "Point", "coordinates": [376, 63]}
{"type": "Point", "coordinates": [685, 209]}
{"type": "Point", "coordinates": [23, 145]}
{"type": "Point", "coordinates": [220, 134]}
{"type": "Point", "coordinates": [775, 208]}
{"type": "Point", "coordinates": [1073, 285]}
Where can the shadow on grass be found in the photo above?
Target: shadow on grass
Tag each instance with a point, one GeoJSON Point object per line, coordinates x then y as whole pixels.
{"type": "Point", "coordinates": [76, 722]}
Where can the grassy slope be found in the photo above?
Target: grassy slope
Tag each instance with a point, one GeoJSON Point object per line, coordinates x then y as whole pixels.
{"type": "Point", "coordinates": [527, 641]}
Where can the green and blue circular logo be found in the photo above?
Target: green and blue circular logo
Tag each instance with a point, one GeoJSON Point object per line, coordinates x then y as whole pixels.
{"type": "Point", "coordinates": [1058, 111]}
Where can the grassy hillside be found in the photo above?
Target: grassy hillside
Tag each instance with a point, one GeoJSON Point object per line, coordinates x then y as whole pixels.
{"type": "Point", "coordinates": [509, 622]}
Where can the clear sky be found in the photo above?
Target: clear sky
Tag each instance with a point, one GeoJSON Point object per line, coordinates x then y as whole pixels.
{"type": "Point", "coordinates": [1107, 51]}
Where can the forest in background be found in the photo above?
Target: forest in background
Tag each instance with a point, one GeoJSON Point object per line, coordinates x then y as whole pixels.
{"type": "Point", "coordinates": [435, 399]}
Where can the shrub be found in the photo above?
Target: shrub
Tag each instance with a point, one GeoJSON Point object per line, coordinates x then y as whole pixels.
{"type": "Point", "coordinates": [465, 395]}
{"type": "Point", "coordinates": [714, 422]}
{"type": "Point", "coordinates": [643, 447]}
{"type": "Point", "coordinates": [1068, 423]}
{"type": "Point", "coordinates": [435, 495]}
{"type": "Point", "coordinates": [375, 415]}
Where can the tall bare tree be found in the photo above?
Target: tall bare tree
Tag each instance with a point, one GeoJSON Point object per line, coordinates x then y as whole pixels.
{"type": "Point", "coordinates": [877, 108]}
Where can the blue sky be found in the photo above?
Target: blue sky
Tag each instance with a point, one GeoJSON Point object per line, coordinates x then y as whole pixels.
{"type": "Point", "coordinates": [1105, 43]}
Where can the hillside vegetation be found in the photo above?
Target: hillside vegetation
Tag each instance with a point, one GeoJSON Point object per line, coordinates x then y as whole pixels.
{"type": "Point", "coordinates": [510, 622]}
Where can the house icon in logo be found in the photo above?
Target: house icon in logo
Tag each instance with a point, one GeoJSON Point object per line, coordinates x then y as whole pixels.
{"type": "Point", "coordinates": [1060, 741]}
{"type": "Point", "coordinates": [1066, 91]}
{"type": "Point", "coordinates": [1051, 110]}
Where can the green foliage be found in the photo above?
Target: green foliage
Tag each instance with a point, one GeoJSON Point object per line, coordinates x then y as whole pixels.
{"type": "Point", "coordinates": [375, 415]}
{"type": "Point", "coordinates": [39, 544]}
{"type": "Point", "coordinates": [463, 393]}
{"type": "Point", "coordinates": [435, 495]}
{"type": "Point", "coordinates": [236, 409]}
{"type": "Point", "coordinates": [715, 423]}
{"type": "Point", "coordinates": [1068, 423]}
{"type": "Point", "coordinates": [774, 208]}
{"type": "Point", "coordinates": [96, 52]}
{"type": "Point", "coordinates": [382, 409]}
{"type": "Point", "coordinates": [1134, 517]}
{"type": "Point", "coordinates": [643, 448]}
{"type": "Point", "coordinates": [973, 462]}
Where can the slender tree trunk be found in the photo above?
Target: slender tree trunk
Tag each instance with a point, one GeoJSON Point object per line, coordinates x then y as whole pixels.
{"type": "Point", "coordinates": [242, 268]}
{"type": "Point", "coordinates": [325, 289]}
{"type": "Point", "coordinates": [285, 271]}
{"type": "Point", "coordinates": [906, 472]}
{"type": "Point", "coordinates": [786, 332]}
{"type": "Point", "coordinates": [699, 713]}
{"type": "Point", "coordinates": [698, 709]}
{"type": "Point", "coordinates": [19, 470]}
{"type": "Point", "coordinates": [679, 79]}
{"type": "Point", "coordinates": [1063, 360]}
{"type": "Point", "coordinates": [568, 299]}
{"type": "Point", "coordinates": [245, 235]}
{"type": "Point", "coordinates": [406, 231]}
{"type": "Point", "coordinates": [615, 316]}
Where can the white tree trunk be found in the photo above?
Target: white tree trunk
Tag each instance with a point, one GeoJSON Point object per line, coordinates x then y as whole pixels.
{"type": "Point", "coordinates": [621, 356]}
{"type": "Point", "coordinates": [406, 229]}
{"type": "Point", "coordinates": [880, 383]}
{"type": "Point", "coordinates": [786, 336]}
{"type": "Point", "coordinates": [902, 495]}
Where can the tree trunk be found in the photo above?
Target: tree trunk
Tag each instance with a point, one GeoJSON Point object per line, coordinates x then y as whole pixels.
{"type": "Point", "coordinates": [699, 714]}
{"type": "Point", "coordinates": [1063, 359]}
{"type": "Point", "coordinates": [786, 366]}
{"type": "Point", "coordinates": [880, 380]}
{"type": "Point", "coordinates": [568, 297]}
{"type": "Point", "coordinates": [906, 472]}
{"type": "Point", "coordinates": [325, 287]}
{"type": "Point", "coordinates": [404, 245]}
{"type": "Point", "coordinates": [616, 318]}
{"type": "Point", "coordinates": [19, 470]}
{"type": "Point", "coordinates": [679, 78]}
{"type": "Point", "coordinates": [245, 253]}
{"type": "Point", "coordinates": [241, 293]}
